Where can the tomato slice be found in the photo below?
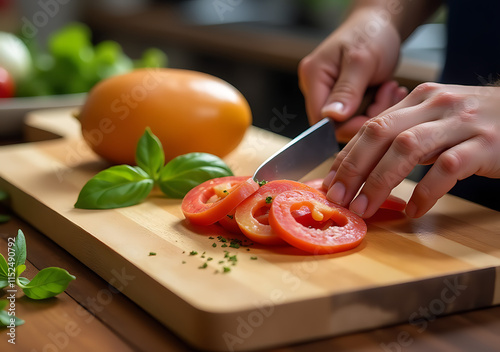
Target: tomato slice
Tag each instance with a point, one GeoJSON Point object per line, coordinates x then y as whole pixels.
{"type": "Point", "coordinates": [212, 200]}
{"type": "Point", "coordinates": [391, 203]}
{"type": "Point", "coordinates": [316, 183]}
{"type": "Point", "coordinates": [229, 223]}
{"type": "Point", "coordinates": [252, 214]}
{"type": "Point", "coordinates": [328, 229]}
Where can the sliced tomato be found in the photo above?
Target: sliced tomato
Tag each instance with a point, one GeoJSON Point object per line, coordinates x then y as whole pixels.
{"type": "Point", "coordinates": [326, 228]}
{"type": "Point", "coordinates": [316, 183]}
{"type": "Point", "coordinates": [252, 214]}
{"type": "Point", "coordinates": [212, 200]}
{"type": "Point", "coordinates": [391, 203]}
{"type": "Point", "coordinates": [229, 223]}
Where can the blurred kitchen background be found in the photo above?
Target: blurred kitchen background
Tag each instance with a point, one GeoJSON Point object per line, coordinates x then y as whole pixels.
{"type": "Point", "coordinates": [255, 45]}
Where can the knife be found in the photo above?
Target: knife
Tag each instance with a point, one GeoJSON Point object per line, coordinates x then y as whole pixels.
{"type": "Point", "coordinates": [301, 155]}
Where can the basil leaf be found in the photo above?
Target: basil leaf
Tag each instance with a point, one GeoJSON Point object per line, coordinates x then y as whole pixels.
{"type": "Point", "coordinates": [187, 171]}
{"type": "Point", "coordinates": [5, 317]}
{"type": "Point", "coordinates": [49, 282]}
{"type": "Point", "coordinates": [4, 272]}
{"type": "Point", "coordinates": [22, 281]}
{"type": "Point", "coordinates": [19, 270]}
{"type": "Point", "coordinates": [19, 249]}
{"type": "Point", "coordinates": [118, 186]}
{"type": "Point", "coordinates": [149, 154]}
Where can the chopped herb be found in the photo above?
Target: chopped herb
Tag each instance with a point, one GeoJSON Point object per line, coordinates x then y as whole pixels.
{"type": "Point", "coordinates": [221, 262]}
{"type": "Point", "coordinates": [152, 253]}
{"type": "Point", "coordinates": [248, 249]}
{"type": "Point", "coordinates": [253, 258]}
{"type": "Point", "coordinates": [225, 191]}
{"type": "Point", "coordinates": [211, 238]}
{"type": "Point", "coordinates": [269, 200]}
{"type": "Point", "coordinates": [221, 239]}
{"type": "Point", "coordinates": [183, 262]}
{"type": "Point", "coordinates": [214, 244]}
{"type": "Point", "coordinates": [261, 183]}
{"type": "Point", "coordinates": [226, 269]}
{"type": "Point", "coordinates": [202, 256]}
{"type": "Point", "coordinates": [203, 266]}
{"type": "Point", "coordinates": [232, 258]}
{"type": "Point", "coordinates": [224, 245]}
{"type": "Point", "coordinates": [234, 245]}
{"type": "Point", "coordinates": [209, 259]}
{"type": "Point", "coordinates": [193, 253]}
{"type": "Point", "coordinates": [230, 216]}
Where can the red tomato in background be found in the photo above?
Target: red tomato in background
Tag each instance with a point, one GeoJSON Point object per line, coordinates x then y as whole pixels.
{"type": "Point", "coordinates": [7, 87]}
{"type": "Point", "coordinates": [212, 200]}
{"type": "Point", "coordinates": [328, 229]}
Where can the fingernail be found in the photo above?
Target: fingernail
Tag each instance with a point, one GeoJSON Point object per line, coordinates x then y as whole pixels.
{"type": "Point", "coordinates": [336, 108]}
{"type": "Point", "coordinates": [411, 209]}
{"type": "Point", "coordinates": [359, 205]}
{"type": "Point", "coordinates": [329, 178]}
{"type": "Point", "coordinates": [336, 193]}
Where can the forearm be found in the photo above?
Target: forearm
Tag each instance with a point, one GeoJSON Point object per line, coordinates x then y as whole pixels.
{"type": "Point", "coordinates": [404, 15]}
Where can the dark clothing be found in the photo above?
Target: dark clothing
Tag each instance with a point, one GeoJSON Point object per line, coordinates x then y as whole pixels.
{"type": "Point", "coordinates": [473, 58]}
{"type": "Point", "coordinates": [473, 48]}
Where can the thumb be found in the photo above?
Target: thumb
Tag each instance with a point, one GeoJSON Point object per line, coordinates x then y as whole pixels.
{"type": "Point", "coordinates": [348, 91]}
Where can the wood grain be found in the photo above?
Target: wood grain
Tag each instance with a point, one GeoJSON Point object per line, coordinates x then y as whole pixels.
{"type": "Point", "coordinates": [437, 262]}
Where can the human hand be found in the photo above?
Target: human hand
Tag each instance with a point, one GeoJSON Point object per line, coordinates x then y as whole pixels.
{"type": "Point", "coordinates": [334, 77]}
{"type": "Point", "coordinates": [457, 128]}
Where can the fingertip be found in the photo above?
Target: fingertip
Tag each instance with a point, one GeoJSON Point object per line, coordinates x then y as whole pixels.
{"type": "Point", "coordinates": [329, 178]}
{"type": "Point", "coordinates": [411, 209]}
{"type": "Point", "coordinates": [335, 109]}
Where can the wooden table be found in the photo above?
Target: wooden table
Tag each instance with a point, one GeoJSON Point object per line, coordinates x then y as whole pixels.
{"type": "Point", "coordinates": [92, 315]}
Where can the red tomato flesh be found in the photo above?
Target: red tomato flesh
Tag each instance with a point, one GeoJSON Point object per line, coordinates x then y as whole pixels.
{"type": "Point", "coordinates": [207, 203]}
{"type": "Point", "coordinates": [252, 214]}
{"type": "Point", "coordinates": [328, 228]}
{"type": "Point", "coordinates": [229, 223]}
{"type": "Point", "coordinates": [391, 203]}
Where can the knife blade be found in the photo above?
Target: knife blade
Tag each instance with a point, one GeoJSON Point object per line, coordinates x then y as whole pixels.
{"type": "Point", "coordinates": [301, 155]}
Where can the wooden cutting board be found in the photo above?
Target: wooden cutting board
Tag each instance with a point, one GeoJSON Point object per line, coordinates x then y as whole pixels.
{"type": "Point", "coordinates": [404, 271]}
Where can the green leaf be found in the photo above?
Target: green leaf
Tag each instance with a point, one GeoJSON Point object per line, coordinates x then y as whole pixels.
{"type": "Point", "coordinates": [4, 272]}
{"type": "Point", "coordinates": [149, 154]}
{"type": "Point", "coordinates": [49, 282]}
{"type": "Point", "coordinates": [22, 281]}
{"type": "Point", "coordinates": [20, 249]}
{"type": "Point", "coordinates": [19, 270]}
{"type": "Point", "coordinates": [5, 318]}
{"type": "Point", "coordinates": [118, 186]}
{"type": "Point", "coordinates": [152, 57]}
{"type": "Point", "coordinates": [187, 171]}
